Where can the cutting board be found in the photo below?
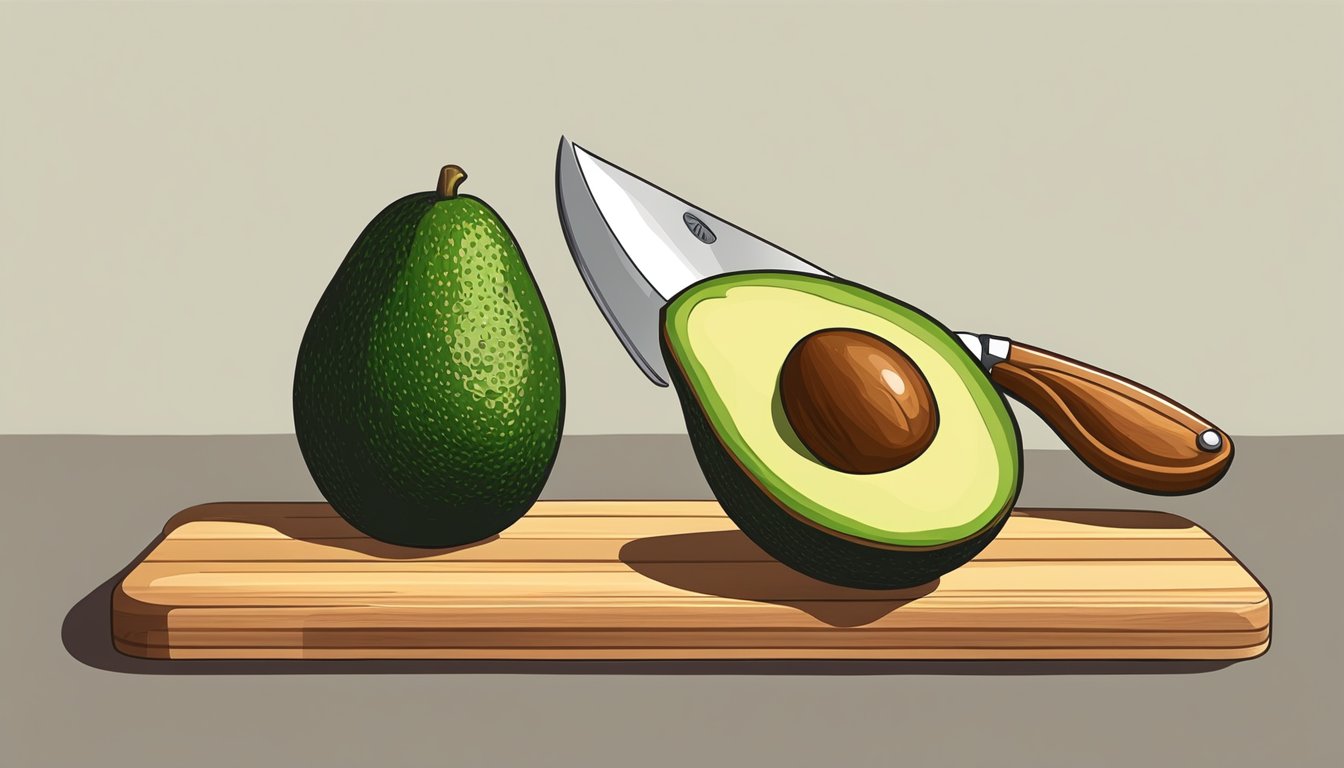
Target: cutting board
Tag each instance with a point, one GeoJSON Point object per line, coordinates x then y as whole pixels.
{"type": "Point", "coordinates": [674, 580]}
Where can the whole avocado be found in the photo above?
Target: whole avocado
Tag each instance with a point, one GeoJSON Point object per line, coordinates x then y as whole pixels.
{"type": "Point", "coordinates": [429, 391]}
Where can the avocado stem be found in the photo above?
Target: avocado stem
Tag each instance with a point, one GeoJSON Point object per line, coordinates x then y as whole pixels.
{"type": "Point", "coordinates": [449, 178]}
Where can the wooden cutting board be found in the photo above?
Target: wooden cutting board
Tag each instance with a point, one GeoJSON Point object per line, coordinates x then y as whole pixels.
{"type": "Point", "coordinates": [674, 580]}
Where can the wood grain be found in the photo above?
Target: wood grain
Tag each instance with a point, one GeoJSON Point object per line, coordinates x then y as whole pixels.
{"type": "Point", "coordinates": [674, 580]}
{"type": "Point", "coordinates": [1122, 430]}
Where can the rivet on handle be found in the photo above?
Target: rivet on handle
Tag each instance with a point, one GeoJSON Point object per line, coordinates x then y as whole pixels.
{"type": "Point", "coordinates": [1209, 440]}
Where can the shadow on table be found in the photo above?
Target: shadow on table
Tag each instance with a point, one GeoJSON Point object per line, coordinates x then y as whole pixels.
{"type": "Point", "coordinates": [87, 629]}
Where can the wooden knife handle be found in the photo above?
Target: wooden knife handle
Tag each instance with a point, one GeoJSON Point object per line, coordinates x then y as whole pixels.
{"type": "Point", "coordinates": [1125, 432]}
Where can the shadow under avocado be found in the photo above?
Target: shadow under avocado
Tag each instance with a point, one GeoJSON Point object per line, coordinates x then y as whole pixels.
{"type": "Point", "coordinates": [736, 569]}
{"type": "Point", "coordinates": [728, 564]}
{"type": "Point", "coordinates": [312, 522]}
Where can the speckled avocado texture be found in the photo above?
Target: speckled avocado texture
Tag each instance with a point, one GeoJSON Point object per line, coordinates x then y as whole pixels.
{"type": "Point", "coordinates": [428, 394]}
{"type": "Point", "coordinates": [804, 547]}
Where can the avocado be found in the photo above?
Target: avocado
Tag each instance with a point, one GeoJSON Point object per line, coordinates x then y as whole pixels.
{"type": "Point", "coordinates": [428, 392]}
{"type": "Point", "coordinates": [727, 340]}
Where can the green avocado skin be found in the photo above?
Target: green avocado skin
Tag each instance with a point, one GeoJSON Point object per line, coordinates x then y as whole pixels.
{"type": "Point", "coordinates": [429, 391]}
{"type": "Point", "coordinates": [800, 546]}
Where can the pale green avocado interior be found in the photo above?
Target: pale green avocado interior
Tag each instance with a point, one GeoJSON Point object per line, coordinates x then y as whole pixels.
{"type": "Point", "coordinates": [730, 336]}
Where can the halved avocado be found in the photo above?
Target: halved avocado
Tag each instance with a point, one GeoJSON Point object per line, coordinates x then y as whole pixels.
{"type": "Point", "coordinates": [725, 341]}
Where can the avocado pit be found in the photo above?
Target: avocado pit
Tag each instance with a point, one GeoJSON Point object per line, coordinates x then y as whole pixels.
{"type": "Point", "coordinates": [856, 401]}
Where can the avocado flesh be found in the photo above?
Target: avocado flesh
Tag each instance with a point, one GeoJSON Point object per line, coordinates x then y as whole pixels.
{"type": "Point", "coordinates": [725, 340]}
{"type": "Point", "coordinates": [428, 394]}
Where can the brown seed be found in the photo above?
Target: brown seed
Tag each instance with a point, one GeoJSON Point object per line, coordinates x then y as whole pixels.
{"type": "Point", "coordinates": [856, 401]}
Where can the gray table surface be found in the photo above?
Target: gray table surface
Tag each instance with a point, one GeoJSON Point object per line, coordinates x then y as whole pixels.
{"type": "Point", "coordinates": [79, 510]}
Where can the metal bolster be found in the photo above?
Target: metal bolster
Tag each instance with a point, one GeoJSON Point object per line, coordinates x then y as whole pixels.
{"type": "Point", "coordinates": [994, 349]}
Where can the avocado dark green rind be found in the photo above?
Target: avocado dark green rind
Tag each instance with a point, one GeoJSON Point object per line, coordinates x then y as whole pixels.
{"type": "Point", "coordinates": [799, 545]}
{"type": "Point", "coordinates": [428, 393]}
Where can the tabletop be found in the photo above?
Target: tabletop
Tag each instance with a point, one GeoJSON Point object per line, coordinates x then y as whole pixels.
{"type": "Point", "coordinates": [81, 509]}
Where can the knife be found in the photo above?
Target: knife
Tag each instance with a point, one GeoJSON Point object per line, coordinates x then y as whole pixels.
{"type": "Point", "coordinates": [638, 246]}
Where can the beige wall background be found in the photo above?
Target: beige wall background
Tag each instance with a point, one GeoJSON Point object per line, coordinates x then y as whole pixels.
{"type": "Point", "coordinates": [1155, 187]}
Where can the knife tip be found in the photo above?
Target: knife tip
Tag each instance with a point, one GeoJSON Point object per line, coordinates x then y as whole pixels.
{"type": "Point", "coordinates": [568, 146]}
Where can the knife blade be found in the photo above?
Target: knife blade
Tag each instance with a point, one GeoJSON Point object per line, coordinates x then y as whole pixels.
{"type": "Point", "coordinates": [637, 246]}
